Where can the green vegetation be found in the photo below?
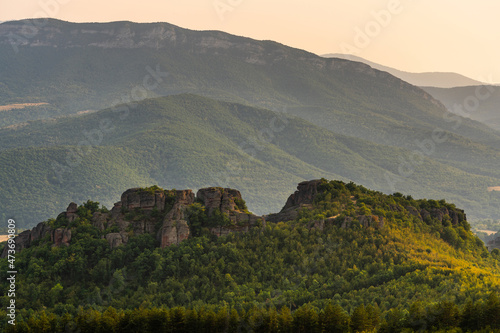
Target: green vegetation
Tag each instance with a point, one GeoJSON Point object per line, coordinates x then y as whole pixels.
{"type": "Point", "coordinates": [486, 110]}
{"type": "Point", "coordinates": [411, 273]}
{"type": "Point", "coordinates": [366, 123]}
{"type": "Point", "coordinates": [168, 141]}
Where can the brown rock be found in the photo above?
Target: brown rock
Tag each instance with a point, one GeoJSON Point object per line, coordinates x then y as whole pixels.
{"type": "Point", "coordinates": [115, 239]}
{"type": "Point", "coordinates": [219, 198]}
{"type": "Point", "coordinates": [302, 198]}
{"type": "Point", "coordinates": [22, 241]}
{"type": "Point", "coordinates": [99, 220]}
{"type": "Point", "coordinates": [185, 197]}
{"type": "Point", "coordinates": [143, 199]}
{"type": "Point", "coordinates": [71, 212]}
{"type": "Point", "coordinates": [173, 232]}
{"type": "Point", "coordinates": [454, 217]}
{"type": "Point", "coordinates": [131, 198]}
{"type": "Point", "coordinates": [211, 198]}
{"type": "Point", "coordinates": [116, 211]}
{"type": "Point", "coordinates": [39, 231]}
{"type": "Point", "coordinates": [425, 214]}
{"type": "Point", "coordinates": [176, 213]}
{"type": "Point", "coordinates": [182, 231]}
{"type": "Point", "coordinates": [306, 191]}
{"type": "Point", "coordinates": [61, 236]}
{"type": "Point", "coordinates": [439, 213]}
{"type": "Point", "coordinates": [365, 220]}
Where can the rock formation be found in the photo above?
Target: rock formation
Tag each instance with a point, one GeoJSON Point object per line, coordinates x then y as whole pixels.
{"type": "Point", "coordinates": [165, 214]}
{"type": "Point", "coordinates": [61, 236]}
{"type": "Point", "coordinates": [302, 198]}
{"type": "Point", "coordinates": [27, 237]}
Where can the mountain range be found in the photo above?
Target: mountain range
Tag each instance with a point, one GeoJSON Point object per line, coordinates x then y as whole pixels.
{"type": "Point", "coordinates": [480, 103]}
{"type": "Point", "coordinates": [255, 115]}
{"type": "Point", "coordinates": [428, 79]}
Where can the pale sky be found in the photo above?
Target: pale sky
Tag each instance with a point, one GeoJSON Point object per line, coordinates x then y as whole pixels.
{"type": "Point", "coordinates": [460, 36]}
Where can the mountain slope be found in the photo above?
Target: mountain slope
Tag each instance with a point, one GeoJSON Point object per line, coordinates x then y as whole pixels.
{"type": "Point", "coordinates": [480, 103]}
{"type": "Point", "coordinates": [76, 67]}
{"type": "Point", "coordinates": [192, 141]}
{"type": "Point", "coordinates": [431, 79]}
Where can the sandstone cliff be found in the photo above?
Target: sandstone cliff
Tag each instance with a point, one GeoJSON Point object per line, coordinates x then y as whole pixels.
{"type": "Point", "coordinates": [162, 213]}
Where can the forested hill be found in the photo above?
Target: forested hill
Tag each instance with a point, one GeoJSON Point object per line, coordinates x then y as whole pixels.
{"type": "Point", "coordinates": [190, 141]}
{"type": "Point", "coordinates": [337, 257]}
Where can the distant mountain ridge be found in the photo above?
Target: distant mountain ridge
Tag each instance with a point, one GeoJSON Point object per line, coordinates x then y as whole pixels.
{"type": "Point", "coordinates": [346, 120]}
{"type": "Point", "coordinates": [192, 141]}
{"type": "Point", "coordinates": [427, 79]}
{"type": "Point", "coordinates": [481, 103]}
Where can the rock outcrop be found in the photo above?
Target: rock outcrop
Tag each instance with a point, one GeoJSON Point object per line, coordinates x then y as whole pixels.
{"type": "Point", "coordinates": [143, 199]}
{"type": "Point", "coordinates": [116, 239]}
{"type": "Point", "coordinates": [27, 237]}
{"type": "Point", "coordinates": [228, 202]}
{"type": "Point", "coordinates": [302, 198]}
{"type": "Point", "coordinates": [171, 207]}
{"type": "Point", "coordinates": [175, 228]}
{"type": "Point", "coordinates": [173, 232]}
{"type": "Point", "coordinates": [71, 212]}
{"type": "Point", "coordinates": [166, 215]}
{"type": "Point", "coordinates": [61, 236]}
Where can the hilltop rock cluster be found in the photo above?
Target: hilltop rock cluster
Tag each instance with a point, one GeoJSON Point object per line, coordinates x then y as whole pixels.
{"type": "Point", "coordinates": [166, 215]}
{"type": "Point", "coordinates": [155, 211]}
{"type": "Point", "coordinates": [302, 198]}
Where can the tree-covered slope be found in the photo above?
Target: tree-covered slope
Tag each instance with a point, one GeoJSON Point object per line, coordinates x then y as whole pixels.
{"type": "Point", "coordinates": [476, 102]}
{"type": "Point", "coordinates": [407, 263]}
{"type": "Point", "coordinates": [192, 141]}
{"type": "Point", "coordinates": [76, 67]}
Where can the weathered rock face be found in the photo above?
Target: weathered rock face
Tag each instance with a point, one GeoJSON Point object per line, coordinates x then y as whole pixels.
{"type": "Point", "coordinates": [40, 231]}
{"type": "Point", "coordinates": [61, 236]}
{"type": "Point", "coordinates": [219, 198]}
{"type": "Point", "coordinates": [116, 239]}
{"type": "Point", "coordinates": [302, 198]}
{"type": "Point", "coordinates": [226, 200]}
{"type": "Point", "coordinates": [148, 204]}
{"type": "Point", "coordinates": [139, 198]}
{"type": "Point", "coordinates": [306, 191]}
{"type": "Point", "coordinates": [173, 232]}
{"type": "Point", "coordinates": [27, 237]}
{"type": "Point", "coordinates": [99, 220]}
{"type": "Point", "coordinates": [71, 212]}
{"type": "Point", "coordinates": [175, 228]}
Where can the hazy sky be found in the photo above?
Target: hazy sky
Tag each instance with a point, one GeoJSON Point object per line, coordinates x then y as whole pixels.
{"type": "Point", "coordinates": [414, 35]}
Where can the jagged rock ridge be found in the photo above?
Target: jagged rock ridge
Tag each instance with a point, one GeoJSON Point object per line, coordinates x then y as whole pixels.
{"type": "Point", "coordinates": [168, 215]}
{"type": "Point", "coordinates": [163, 213]}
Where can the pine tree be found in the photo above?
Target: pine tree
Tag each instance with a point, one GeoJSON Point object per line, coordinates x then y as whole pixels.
{"type": "Point", "coordinates": [334, 319]}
